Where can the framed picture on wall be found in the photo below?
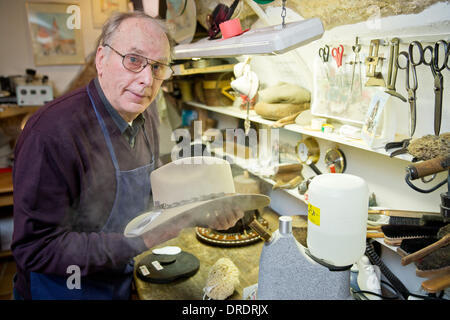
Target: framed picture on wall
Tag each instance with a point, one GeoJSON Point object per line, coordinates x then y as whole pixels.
{"type": "Point", "coordinates": [56, 40]}
{"type": "Point", "coordinates": [102, 9]}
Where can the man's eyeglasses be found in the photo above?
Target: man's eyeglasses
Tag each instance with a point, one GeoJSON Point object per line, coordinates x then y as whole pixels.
{"type": "Point", "coordinates": [136, 63]}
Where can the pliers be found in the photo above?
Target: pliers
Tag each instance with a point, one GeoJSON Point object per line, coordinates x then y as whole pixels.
{"type": "Point", "coordinates": [403, 145]}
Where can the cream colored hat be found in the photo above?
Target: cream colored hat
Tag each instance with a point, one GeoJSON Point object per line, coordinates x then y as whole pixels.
{"type": "Point", "coordinates": [195, 186]}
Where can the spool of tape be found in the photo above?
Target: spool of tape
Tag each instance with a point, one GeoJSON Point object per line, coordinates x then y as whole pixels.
{"type": "Point", "coordinates": [317, 123]}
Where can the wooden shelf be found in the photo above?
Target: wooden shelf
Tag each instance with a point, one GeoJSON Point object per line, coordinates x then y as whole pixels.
{"type": "Point", "coordinates": [243, 164]}
{"type": "Point", "coordinates": [335, 137]}
{"type": "Point", "coordinates": [179, 69]}
{"type": "Point", "coordinates": [7, 111]}
{"type": "Point", "coordinates": [5, 254]}
{"type": "Point", "coordinates": [6, 183]}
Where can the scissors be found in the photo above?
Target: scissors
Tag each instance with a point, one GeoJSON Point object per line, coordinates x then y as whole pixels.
{"type": "Point", "coordinates": [337, 54]}
{"type": "Point", "coordinates": [324, 53]}
{"type": "Point", "coordinates": [411, 64]}
{"type": "Point", "coordinates": [436, 69]}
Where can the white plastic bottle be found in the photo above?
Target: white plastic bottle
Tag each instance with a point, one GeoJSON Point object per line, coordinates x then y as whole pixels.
{"type": "Point", "coordinates": [337, 218]}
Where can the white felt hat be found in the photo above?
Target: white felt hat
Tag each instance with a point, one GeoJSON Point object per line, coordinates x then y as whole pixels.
{"type": "Point", "coordinates": [194, 186]}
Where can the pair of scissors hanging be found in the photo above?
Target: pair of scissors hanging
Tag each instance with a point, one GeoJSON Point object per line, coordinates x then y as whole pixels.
{"type": "Point", "coordinates": [324, 53]}
{"type": "Point", "coordinates": [337, 54]}
{"type": "Point", "coordinates": [436, 70]}
{"type": "Point", "coordinates": [410, 68]}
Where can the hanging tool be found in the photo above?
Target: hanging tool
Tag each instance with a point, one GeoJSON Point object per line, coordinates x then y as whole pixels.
{"type": "Point", "coordinates": [375, 78]}
{"type": "Point", "coordinates": [392, 70]}
{"type": "Point", "coordinates": [436, 69]}
{"type": "Point", "coordinates": [247, 119]}
{"type": "Point", "coordinates": [356, 49]}
{"type": "Point", "coordinates": [324, 53]}
{"type": "Point", "coordinates": [337, 54]}
{"type": "Point", "coordinates": [403, 145]}
{"type": "Point", "coordinates": [425, 168]}
{"type": "Point", "coordinates": [411, 64]}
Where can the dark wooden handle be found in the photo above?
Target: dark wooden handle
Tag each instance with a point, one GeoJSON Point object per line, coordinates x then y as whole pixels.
{"type": "Point", "coordinates": [260, 230]}
{"type": "Point", "coordinates": [429, 167]}
{"type": "Point", "coordinates": [425, 251]}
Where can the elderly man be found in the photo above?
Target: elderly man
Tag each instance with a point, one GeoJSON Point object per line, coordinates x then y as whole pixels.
{"type": "Point", "coordinates": [82, 167]}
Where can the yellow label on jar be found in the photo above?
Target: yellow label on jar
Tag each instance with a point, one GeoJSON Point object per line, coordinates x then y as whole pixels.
{"type": "Point", "coordinates": [314, 214]}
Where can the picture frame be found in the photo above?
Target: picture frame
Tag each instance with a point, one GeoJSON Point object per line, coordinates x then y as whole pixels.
{"type": "Point", "coordinates": [102, 10]}
{"type": "Point", "coordinates": [55, 39]}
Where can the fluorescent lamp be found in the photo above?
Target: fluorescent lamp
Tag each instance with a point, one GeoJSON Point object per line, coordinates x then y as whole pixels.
{"type": "Point", "coordinates": [267, 40]}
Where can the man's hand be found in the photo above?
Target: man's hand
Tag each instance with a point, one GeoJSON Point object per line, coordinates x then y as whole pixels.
{"type": "Point", "coordinates": [160, 235]}
{"type": "Point", "coordinates": [217, 219]}
{"type": "Point", "coordinates": [223, 219]}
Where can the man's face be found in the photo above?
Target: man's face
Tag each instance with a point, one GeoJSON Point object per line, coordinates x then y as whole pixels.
{"type": "Point", "coordinates": [128, 92]}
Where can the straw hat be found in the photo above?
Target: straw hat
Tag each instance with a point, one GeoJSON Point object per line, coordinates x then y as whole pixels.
{"type": "Point", "coordinates": [196, 186]}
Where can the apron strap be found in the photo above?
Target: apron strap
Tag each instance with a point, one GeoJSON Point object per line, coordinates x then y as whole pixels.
{"type": "Point", "coordinates": [105, 133]}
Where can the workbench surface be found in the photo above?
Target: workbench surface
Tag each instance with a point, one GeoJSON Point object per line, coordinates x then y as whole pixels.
{"type": "Point", "coordinates": [246, 258]}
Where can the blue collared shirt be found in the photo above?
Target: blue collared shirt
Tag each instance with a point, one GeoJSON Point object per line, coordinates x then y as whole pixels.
{"type": "Point", "coordinates": [128, 132]}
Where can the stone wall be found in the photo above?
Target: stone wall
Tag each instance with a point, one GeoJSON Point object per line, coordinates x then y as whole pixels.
{"type": "Point", "coordinates": [332, 12]}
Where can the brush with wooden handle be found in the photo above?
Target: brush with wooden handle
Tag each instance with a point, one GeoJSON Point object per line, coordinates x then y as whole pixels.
{"type": "Point", "coordinates": [437, 284]}
{"type": "Point", "coordinates": [444, 241]}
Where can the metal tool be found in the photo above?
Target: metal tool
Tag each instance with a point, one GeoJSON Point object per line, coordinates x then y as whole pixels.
{"type": "Point", "coordinates": [356, 49]}
{"type": "Point", "coordinates": [337, 54]}
{"type": "Point", "coordinates": [403, 145]}
{"type": "Point", "coordinates": [324, 53]}
{"type": "Point", "coordinates": [375, 78]}
{"type": "Point", "coordinates": [247, 119]}
{"type": "Point", "coordinates": [426, 168]}
{"type": "Point", "coordinates": [393, 68]}
{"type": "Point", "coordinates": [411, 88]}
{"type": "Point", "coordinates": [436, 69]}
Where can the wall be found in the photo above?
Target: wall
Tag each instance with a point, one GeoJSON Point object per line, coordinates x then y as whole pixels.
{"type": "Point", "coordinates": [384, 175]}
{"type": "Point", "coordinates": [16, 52]}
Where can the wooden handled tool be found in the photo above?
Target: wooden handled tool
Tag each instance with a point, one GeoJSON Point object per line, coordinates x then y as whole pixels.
{"type": "Point", "coordinates": [286, 120]}
{"type": "Point", "coordinates": [427, 250]}
{"type": "Point", "coordinates": [428, 167]}
{"type": "Point", "coordinates": [372, 235]}
{"type": "Point", "coordinates": [437, 284]}
{"type": "Point", "coordinates": [260, 230]}
{"type": "Point", "coordinates": [403, 213]}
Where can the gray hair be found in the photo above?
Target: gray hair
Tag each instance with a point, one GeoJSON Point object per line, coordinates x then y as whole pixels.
{"type": "Point", "coordinates": [116, 19]}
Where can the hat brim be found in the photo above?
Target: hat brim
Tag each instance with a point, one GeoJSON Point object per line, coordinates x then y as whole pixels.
{"type": "Point", "coordinates": [197, 211]}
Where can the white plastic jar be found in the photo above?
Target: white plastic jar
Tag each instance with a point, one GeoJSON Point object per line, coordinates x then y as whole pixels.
{"type": "Point", "coordinates": [337, 218]}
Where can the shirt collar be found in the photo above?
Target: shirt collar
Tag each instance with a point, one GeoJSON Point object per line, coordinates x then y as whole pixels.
{"type": "Point", "coordinates": [118, 120]}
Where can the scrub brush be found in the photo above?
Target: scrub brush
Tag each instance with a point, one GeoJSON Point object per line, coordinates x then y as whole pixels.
{"type": "Point", "coordinates": [430, 146]}
{"type": "Point", "coordinates": [377, 218]}
{"type": "Point", "coordinates": [395, 230]}
{"type": "Point", "coordinates": [409, 246]}
{"type": "Point", "coordinates": [434, 259]}
{"type": "Point", "coordinates": [394, 234]}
